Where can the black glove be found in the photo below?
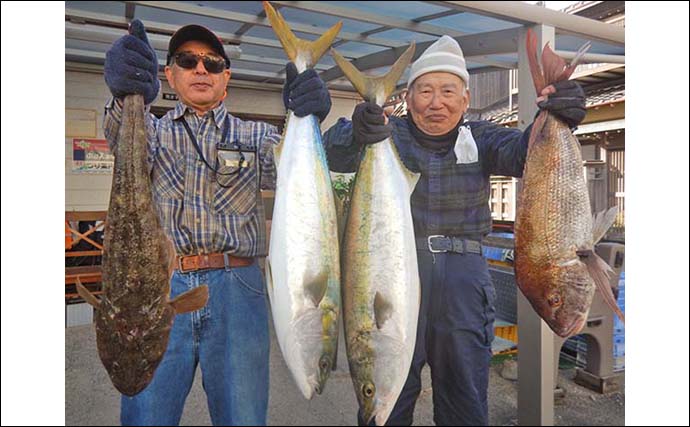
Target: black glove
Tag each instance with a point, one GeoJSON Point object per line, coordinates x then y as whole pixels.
{"type": "Point", "coordinates": [305, 93]}
{"type": "Point", "coordinates": [368, 124]}
{"type": "Point", "coordinates": [567, 103]}
{"type": "Point", "coordinates": [131, 66]}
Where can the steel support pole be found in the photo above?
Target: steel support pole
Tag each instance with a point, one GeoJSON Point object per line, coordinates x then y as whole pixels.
{"type": "Point", "coordinates": [536, 380]}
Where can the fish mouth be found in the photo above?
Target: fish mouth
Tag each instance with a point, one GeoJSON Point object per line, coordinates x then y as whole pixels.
{"type": "Point", "coordinates": [574, 328]}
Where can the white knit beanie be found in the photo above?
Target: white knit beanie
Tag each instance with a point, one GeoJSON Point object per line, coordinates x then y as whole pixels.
{"type": "Point", "coordinates": [444, 55]}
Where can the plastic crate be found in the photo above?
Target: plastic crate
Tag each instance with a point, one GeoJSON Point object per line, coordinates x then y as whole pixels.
{"type": "Point", "coordinates": [618, 364]}
{"type": "Point", "coordinates": [506, 293]}
{"type": "Point", "coordinates": [503, 235]}
{"type": "Point", "coordinates": [619, 346]}
{"type": "Point", "coordinates": [506, 330]}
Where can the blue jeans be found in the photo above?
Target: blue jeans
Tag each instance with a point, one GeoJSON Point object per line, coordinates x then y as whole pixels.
{"type": "Point", "coordinates": [228, 337]}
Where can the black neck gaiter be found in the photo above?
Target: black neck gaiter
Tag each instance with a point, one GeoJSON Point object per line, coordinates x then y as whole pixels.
{"type": "Point", "coordinates": [435, 143]}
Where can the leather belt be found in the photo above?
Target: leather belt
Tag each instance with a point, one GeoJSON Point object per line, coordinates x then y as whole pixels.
{"type": "Point", "coordinates": [188, 263]}
{"type": "Point", "coordinates": [439, 243]}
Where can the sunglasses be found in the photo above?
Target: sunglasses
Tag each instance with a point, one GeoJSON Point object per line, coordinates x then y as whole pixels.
{"type": "Point", "coordinates": [187, 60]}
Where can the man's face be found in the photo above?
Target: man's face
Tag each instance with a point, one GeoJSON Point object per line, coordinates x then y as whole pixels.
{"type": "Point", "coordinates": [197, 87]}
{"type": "Point", "coordinates": [437, 101]}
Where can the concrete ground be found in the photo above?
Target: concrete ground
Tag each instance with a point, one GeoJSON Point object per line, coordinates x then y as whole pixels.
{"type": "Point", "coordinates": [92, 400]}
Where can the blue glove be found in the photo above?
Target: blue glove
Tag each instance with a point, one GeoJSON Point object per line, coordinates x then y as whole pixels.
{"type": "Point", "coordinates": [369, 124]}
{"type": "Point", "coordinates": [305, 93]}
{"type": "Point", "coordinates": [131, 66]}
{"type": "Point", "coordinates": [567, 103]}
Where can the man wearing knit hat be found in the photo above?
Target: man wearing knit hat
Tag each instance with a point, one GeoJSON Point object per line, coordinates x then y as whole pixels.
{"type": "Point", "coordinates": [206, 171]}
{"type": "Point", "coordinates": [451, 215]}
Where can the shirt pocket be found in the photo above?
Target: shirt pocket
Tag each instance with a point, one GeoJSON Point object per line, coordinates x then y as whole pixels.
{"type": "Point", "coordinates": [168, 177]}
{"type": "Point", "coordinates": [236, 189]}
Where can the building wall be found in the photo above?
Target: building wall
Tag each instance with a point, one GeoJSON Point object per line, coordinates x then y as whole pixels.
{"type": "Point", "coordinates": [85, 97]}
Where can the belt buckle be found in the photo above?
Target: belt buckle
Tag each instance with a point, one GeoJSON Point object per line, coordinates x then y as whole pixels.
{"type": "Point", "coordinates": [428, 241]}
{"type": "Point", "coordinates": [181, 268]}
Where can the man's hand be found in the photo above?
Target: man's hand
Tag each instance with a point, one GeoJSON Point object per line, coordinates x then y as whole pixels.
{"type": "Point", "coordinates": [565, 100]}
{"type": "Point", "coordinates": [370, 124]}
{"type": "Point", "coordinates": [131, 66]}
{"type": "Point", "coordinates": [305, 93]}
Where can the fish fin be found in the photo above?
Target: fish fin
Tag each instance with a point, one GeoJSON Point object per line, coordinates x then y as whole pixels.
{"type": "Point", "coordinates": [600, 272]}
{"type": "Point", "coordinates": [411, 179]}
{"type": "Point", "coordinates": [375, 89]}
{"type": "Point", "coordinates": [86, 295]}
{"type": "Point", "coordinates": [278, 148]}
{"type": "Point", "coordinates": [579, 55]}
{"type": "Point", "coordinates": [383, 310]}
{"type": "Point", "coordinates": [269, 275]}
{"type": "Point", "coordinates": [309, 51]}
{"type": "Point", "coordinates": [191, 300]}
{"type": "Point", "coordinates": [172, 256]}
{"type": "Point", "coordinates": [316, 287]}
{"type": "Point", "coordinates": [602, 222]}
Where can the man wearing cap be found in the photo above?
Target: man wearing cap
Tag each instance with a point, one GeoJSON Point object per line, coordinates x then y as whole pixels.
{"type": "Point", "coordinates": [451, 215]}
{"type": "Point", "coordinates": [207, 169]}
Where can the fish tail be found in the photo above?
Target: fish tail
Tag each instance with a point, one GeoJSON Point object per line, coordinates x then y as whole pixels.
{"type": "Point", "coordinates": [299, 50]}
{"type": "Point", "coordinates": [555, 68]}
{"type": "Point", "coordinates": [375, 89]}
{"type": "Point", "coordinates": [534, 67]}
{"type": "Point", "coordinates": [191, 300]}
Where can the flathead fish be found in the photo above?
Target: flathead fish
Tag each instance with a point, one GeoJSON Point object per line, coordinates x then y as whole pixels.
{"type": "Point", "coordinates": [381, 288]}
{"type": "Point", "coordinates": [303, 264]}
{"type": "Point", "coordinates": [134, 315]}
{"type": "Point", "coordinates": [556, 267]}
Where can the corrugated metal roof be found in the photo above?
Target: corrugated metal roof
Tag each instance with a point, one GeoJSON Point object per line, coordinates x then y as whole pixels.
{"type": "Point", "coordinates": [374, 33]}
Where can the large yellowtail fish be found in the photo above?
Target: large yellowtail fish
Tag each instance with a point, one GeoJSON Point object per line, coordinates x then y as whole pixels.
{"type": "Point", "coordinates": [134, 315]}
{"type": "Point", "coordinates": [381, 289]}
{"type": "Point", "coordinates": [303, 264]}
{"type": "Point", "coordinates": [556, 267]}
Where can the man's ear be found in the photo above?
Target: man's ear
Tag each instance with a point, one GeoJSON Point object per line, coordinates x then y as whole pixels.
{"type": "Point", "coordinates": [467, 97]}
{"type": "Point", "coordinates": [168, 75]}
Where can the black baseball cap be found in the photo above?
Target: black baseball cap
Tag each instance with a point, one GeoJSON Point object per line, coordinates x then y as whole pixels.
{"type": "Point", "coordinates": [199, 33]}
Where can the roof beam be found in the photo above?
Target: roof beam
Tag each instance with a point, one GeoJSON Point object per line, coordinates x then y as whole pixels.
{"type": "Point", "coordinates": [420, 19]}
{"type": "Point", "coordinates": [372, 18]}
{"type": "Point", "coordinates": [474, 45]}
{"type": "Point", "coordinates": [255, 20]}
{"type": "Point", "coordinates": [527, 14]}
{"type": "Point", "coordinates": [80, 16]}
{"type": "Point", "coordinates": [246, 27]}
{"type": "Point", "coordinates": [159, 42]}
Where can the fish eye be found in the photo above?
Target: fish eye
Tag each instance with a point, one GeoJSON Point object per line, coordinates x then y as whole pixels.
{"type": "Point", "coordinates": [324, 363]}
{"type": "Point", "coordinates": [368, 390]}
{"type": "Point", "coordinates": [554, 300]}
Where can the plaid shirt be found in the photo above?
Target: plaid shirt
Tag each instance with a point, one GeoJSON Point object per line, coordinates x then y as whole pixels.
{"type": "Point", "coordinates": [450, 199]}
{"type": "Point", "coordinates": [200, 215]}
